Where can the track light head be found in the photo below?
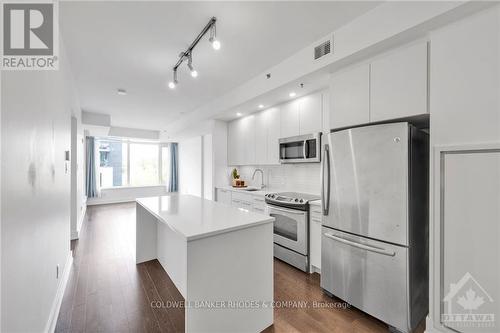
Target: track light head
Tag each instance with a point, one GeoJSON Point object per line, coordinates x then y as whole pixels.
{"type": "Point", "coordinates": [213, 37]}
{"type": "Point", "coordinates": [174, 82]}
{"type": "Point", "coordinates": [194, 72]}
{"type": "Point", "coordinates": [216, 44]}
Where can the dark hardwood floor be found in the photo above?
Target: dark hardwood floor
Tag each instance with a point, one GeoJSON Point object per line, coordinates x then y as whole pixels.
{"type": "Point", "coordinates": [108, 292]}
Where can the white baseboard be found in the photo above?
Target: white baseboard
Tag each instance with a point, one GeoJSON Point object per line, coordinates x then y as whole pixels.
{"type": "Point", "coordinates": [56, 304]}
{"type": "Point", "coordinates": [76, 234]}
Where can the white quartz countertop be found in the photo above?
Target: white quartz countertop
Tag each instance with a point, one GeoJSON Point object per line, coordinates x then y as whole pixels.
{"type": "Point", "coordinates": [195, 217]}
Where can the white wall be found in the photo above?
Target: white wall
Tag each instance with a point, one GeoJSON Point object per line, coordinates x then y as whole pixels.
{"type": "Point", "coordinates": [190, 166]}
{"type": "Point", "coordinates": [36, 110]}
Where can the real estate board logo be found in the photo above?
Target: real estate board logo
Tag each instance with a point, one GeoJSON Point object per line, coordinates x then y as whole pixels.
{"type": "Point", "coordinates": [30, 36]}
{"type": "Point", "coordinates": [468, 304]}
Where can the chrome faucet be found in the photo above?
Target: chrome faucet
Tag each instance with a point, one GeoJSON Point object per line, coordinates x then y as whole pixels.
{"type": "Point", "coordinates": [261, 177]}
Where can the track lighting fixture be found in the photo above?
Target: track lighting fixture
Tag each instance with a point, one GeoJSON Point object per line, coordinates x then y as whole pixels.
{"type": "Point", "coordinates": [188, 54]}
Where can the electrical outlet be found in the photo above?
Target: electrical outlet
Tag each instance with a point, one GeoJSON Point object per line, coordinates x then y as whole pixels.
{"type": "Point", "coordinates": [57, 271]}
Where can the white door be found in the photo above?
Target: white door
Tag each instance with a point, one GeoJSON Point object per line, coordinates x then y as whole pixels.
{"type": "Point", "coordinates": [310, 114]}
{"type": "Point", "coordinates": [350, 97]}
{"type": "Point", "coordinates": [398, 83]}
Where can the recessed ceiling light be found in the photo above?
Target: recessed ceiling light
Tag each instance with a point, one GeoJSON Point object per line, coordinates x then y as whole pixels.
{"type": "Point", "coordinates": [261, 106]}
{"type": "Point", "coordinates": [239, 114]}
{"type": "Point", "coordinates": [292, 94]}
{"type": "Point", "coordinates": [121, 92]}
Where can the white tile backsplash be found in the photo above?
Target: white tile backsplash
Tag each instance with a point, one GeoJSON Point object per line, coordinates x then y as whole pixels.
{"type": "Point", "coordinates": [293, 177]}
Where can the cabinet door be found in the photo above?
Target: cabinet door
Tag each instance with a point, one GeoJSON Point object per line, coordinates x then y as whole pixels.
{"type": "Point", "coordinates": [248, 140]}
{"type": "Point", "coordinates": [470, 199]}
{"type": "Point", "coordinates": [350, 97]}
{"type": "Point", "coordinates": [261, 134]}
{"type": "Point", "coordinates": [290, 119]}
{"type": "Point", "coordinates": [232, 142]}
{"type": "Point", "coordinates": [273, 135]}
{"type": "Point", "coordinates": [315, 237]}
{"type": "Point", "coordinates": [235, 142]}
{"type": "Point", "coordinates": [398, 84]}
{"type": "Point", "coordinates": [224, 196]}
{"type": "Point", "coordinates": [310, 114]}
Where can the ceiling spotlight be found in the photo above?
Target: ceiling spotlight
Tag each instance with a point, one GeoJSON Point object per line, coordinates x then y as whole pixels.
{"type": "Point", "coordinates": [173, 83]}
{"type": "Point", "coordinates": [193, 71]}
{"type": "Point", "coordinates": [239, 114]}
{"type": "Point", "coordinates": [261, 106]}
{"type": "Point", "coordinates": [292, 94]}
{"type": "Point", "coordinates": [121, 92]}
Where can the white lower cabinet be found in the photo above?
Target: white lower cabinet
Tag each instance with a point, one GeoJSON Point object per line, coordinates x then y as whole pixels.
{"type": "Point", "coordinates": [315, 219]}
{"type": "Point", "coordinates": [223, 196]}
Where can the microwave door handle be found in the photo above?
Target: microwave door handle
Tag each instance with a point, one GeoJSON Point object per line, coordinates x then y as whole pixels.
{"type": "Point", "coordinates": [304, 149]}
{"type": "Point", "coordinates": [361, 246]}
{"type": "Point", "coordinates": [325, 164]}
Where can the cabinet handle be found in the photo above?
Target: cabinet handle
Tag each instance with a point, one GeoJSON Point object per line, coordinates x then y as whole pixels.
{"type": "Point", "coordinates": [317, 220]}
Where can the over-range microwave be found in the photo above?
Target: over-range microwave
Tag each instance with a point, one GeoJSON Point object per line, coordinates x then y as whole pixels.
{"type": "Point", "coordinates": [301, 149]}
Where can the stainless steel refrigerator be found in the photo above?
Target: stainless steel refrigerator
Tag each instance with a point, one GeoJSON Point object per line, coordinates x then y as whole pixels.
{"type": "Point", "coordinates": [374, 245]}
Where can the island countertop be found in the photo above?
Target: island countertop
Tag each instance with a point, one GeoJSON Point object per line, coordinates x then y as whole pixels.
{"type": "Point", "coordinates": [195, 217]}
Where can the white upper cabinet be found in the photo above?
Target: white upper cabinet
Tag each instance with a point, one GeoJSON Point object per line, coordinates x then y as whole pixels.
{"type": "Point", "coordinates": [273, 134]}
{"type": "Point", "coordinates": [254, 139]}
{"type": "Point", "coordinates": [398, 83]}
{"type": "Point", "coordinates": [350, 97]}
{"type": "Point", "coordinates": [241, 141]}
{"type": "Point", "coordinates": [248, 139]}
{"type": "Point", "coordinates": [310, 115]}
{"type": "Point", "coordinates": [233, 142]}
{"type": "Point", "coordinates": [261, 147]}
{"type": "Point", "coordinates": [290, 119]}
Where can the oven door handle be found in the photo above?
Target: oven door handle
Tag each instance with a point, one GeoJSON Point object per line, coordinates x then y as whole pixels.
{"type": "Point", "coordinates": [361, 246]}
{"type": "Point", "coordinates": [290, 211]}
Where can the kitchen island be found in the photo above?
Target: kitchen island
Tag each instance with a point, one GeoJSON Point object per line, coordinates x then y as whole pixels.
{"type": "Point", "coordinates": [220, 258]}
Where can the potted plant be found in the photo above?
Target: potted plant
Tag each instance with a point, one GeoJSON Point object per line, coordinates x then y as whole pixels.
{"type": "Point", "coordinates": [235, 177]}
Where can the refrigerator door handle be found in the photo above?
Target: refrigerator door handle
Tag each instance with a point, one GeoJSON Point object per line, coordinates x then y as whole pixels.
{"type": "Point", "coordinates": [361, 246]}
{"type": "Point", "coordinates": [325, 198]}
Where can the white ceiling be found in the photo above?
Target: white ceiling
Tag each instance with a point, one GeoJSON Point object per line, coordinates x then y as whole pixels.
{"type": "Point", "coordinates": [133, 46]}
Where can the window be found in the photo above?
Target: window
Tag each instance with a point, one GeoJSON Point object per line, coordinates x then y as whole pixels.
{"type": "Point", "coordinates": [144, 160]}
{"type": "Point", "coordinates": [131, 163]}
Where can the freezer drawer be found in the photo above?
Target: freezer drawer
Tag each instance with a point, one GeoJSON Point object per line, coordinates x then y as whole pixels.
{"type": "Point", "coordinates": [368, 274]}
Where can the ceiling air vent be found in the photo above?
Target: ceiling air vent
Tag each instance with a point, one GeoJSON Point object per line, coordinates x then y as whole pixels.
{"type": "Point", "coordinates": [322, 49]}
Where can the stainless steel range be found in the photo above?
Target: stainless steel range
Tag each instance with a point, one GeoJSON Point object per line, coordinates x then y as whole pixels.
{"type": "Point", "coordinates": [291, 226]}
